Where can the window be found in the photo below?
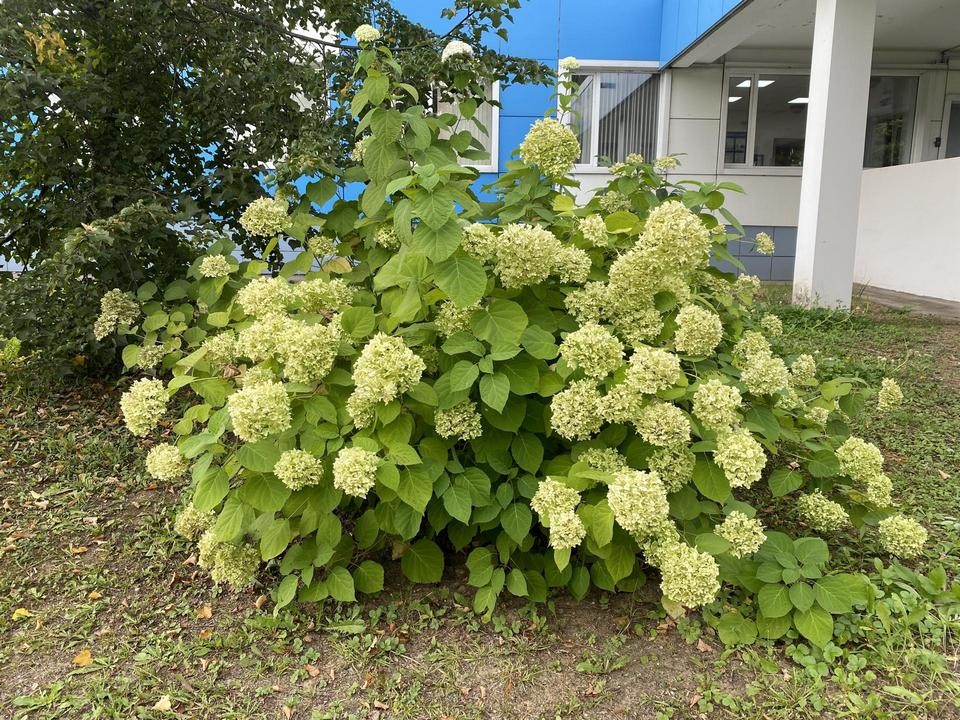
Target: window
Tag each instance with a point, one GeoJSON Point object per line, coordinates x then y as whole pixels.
{"type": "Point", "coordinates": [615, 114]}
{"type": "Point", "coordinates": [766, 119]}
{"type": "Point", "coordinates": [484, 126]}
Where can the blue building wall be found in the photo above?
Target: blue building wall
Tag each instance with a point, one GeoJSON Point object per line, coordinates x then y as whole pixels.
{"type": "Point", "coordinates": [684, 21]}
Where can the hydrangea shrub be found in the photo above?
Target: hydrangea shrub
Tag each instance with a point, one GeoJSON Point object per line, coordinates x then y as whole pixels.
{"type": "Point", "coordinates": [562, 395]}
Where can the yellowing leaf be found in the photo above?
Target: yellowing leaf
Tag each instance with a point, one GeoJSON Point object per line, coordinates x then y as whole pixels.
{"type": "Point", "coordinates": [163, 704]}
{"type": "Point", "coordinates": [83, 658]}
{"type": "Point", "coordinates": [21, 614]}
{"type": "Point", "coordinates": [78, 549]}
{"type": "Point", "coordinates": [204, 613]}
{"type": "Point", "coordinates": [94, 595]}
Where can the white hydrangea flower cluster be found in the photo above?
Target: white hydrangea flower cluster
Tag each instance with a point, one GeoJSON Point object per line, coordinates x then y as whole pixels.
{"type": "Point", "coordinates": [822, 513]}
{"type": "Point", "coordinates": [760, 370]}
{"type": "Point", "coordinates": [117, 309]}
{"type": "Point", "coordinates": [902, 536]}
{"type": "Point", "coordinates": [360, 148]}
{"type": "Point", "coordinates": [309, 351]}
{"type": "Point", "coordinates": [639, 504]}
{"type": "Point", "coordinates": [143, 405]}
{"type": "Point", "coordinates": [259, 411]}
{"type": "Point", "coordinates": [803, 371]}
{"type": "Point", "coordinates": [817, 414]}
{"type": "Point", "coordinates": [215, 266]}
{"type": "Point", "coordinates": [529, 254]}
{"type": "Point", "coordinates": [863, 463]}
{"type": "Point", "coordinates": [771, 325]}
{"type": "Point", "coordinates": [151, 355]}
{"type": "Point", "coordinates": [462, 421]}
{"type": "Point", "coordinates": [650, 370]}
{"type": "Point", "coordinates": [265, 217]}
{"type": "Point", "coordinates": [746, 286]}
{"type": "Point", "coordinates": [586, 304]}
{"type": "Point", "coordinates": [569, 64]}
{"type": "Point", "coordinates": [716, 404]}
{"type": "Point", "coordinates": [745, 534]}
{"type": "Point", "coordinates": [566, 530]}
{"type": "Point", "coordinates": [315, 295]}
{"type": "Point", "coordinates": [606, 460]}
{"type": "Point", "coordinates": [387, 238]}
{"type": "Point", "coordinates": [456, 49]}
{"type": "Point", "coordinates": [264, 296]}
{"type": "Point", "coordinates": [890, 395]}
{"type": "Point", "coordinates": [576, 412]}
{"type": "Point", "coordinates": [665, 164]}
{"type": "Point", "coordinates": [663, 424]}
{"type": "Point", "coordinates": [386, 369]}
{"type": "Point", "coordinates": [192, 523]}
{"type": "Point", "coordinates": [235, 565]}
{"type": "Point", "coordinates": [257, 375]}
{"type": "Point", "coordinates": [479, 241]}
{"type": "Point", "coordinates": [452, 319]}
{"type": "Point", "coordinates": [740, 457]}
{"type": "Point", "coordinates": [322, 246]}
{"type": "Point", "coordinates": [674, 465]}
{"type": "Point", "coordinates": [263, 339]}
{"type": "Point", "coordinates": [165, 462]}
{"type": "Point", "coordinates": [594, 230]}
{"type": "Point", "coordinates": [699, 330]}
{"type": "Point", "coordinates": [614, 201]}
{"type": "Point", "coordinates": [763, 244]}
{"type": "Point", "coordinates": [689, 576]}
{"type": "Point", "coordinates": [355, 471]}
{"type": "Point", "coordinates": [551, 146]}
{"type": "Point", "coordinates": [556, 503]}
{"type": "Point", "coordinates": [366, 34]}
{"type": "Point", "coordinates": [594, 349]}
{"type": "Point", "coordinates": [298, 469]}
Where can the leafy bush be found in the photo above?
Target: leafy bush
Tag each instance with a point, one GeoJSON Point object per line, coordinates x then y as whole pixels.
{"type": "Point", "coordinates": [564, 395]}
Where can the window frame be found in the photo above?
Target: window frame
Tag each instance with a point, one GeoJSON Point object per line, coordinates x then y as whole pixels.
{"type": "Point", "coordinates": [754, 72]}
{"type": "Point", "coordinates": [648, 67]}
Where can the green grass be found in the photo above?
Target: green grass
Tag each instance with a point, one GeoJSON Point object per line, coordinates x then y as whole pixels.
{"type": "Point", "coordinates": [90, 563]}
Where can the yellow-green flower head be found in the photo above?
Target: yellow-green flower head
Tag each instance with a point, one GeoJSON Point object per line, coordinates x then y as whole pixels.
{"type": "Point", "coordinates": [265, 217]}
{"type": "Point", "coordinates": [576, 412]}
{"type": "Point", "coordinates": [462, 421]}
{"type": "Point", "coordinates": [553, 498]}
{"type": "Point", "coordinates": [752, 343]}
{"type": "Point", "coordinates": [164, 462]}
{"type": "Point", "coordinates": [789, 399]}
{"type": "Point", "coordinates": [265, 296]}
{"type": "Point", "coordinates": [699, 330]}
{"type": "Point", "coordinates": [821, 513]}
{"type": "Point", "coordinates": [859, 459]}
{"type": "Point", "coordinates": [235, 565]}
{"type": "Point", "coordinates": [456, 49]}
{"type": "Point", "coordinates": [716, 404]}
{"type": "Point", "coordinates": [566, 531]}
{"type": "Point", "coordinates": [117, 310]}
{"type": "Point", "coordinates": [605, 460]}
{"type": "Point", "coordinates": [220, 349]}
{"type": "Point", "coordinates": [688, 576]}
{"type": "Point", "coordinates": [586, 304]}
{"type": "Point", "coordinates": [763, 244]}
{"type": "Point", "coordinates": [639, 504]}
{"type": "Point", "coordinates": [259, 411]}
{"type": "Point", "coordinates": [191, 523]}
{"type": "Point", "coordinates": [309, 351]}
{"type": "Point", "coordinates": [594, 349]}
{"type": "Point", "coordinates": [151, 355]}
{"type": "Point", "coordinates": [572, 265]}
{"type": "Point", "coordinates": [322, 246]}
{"type": "Point", "coordinates": [890, 395]}
{"type": "Point", "coordinates": [650, 370]}
{"type": "Point", "coordinates": [387, 238]}
{"type": "Point", "coordinates": [902, 536]}
{"type": "Point", "coordinates": [614, 201]}
{"type": "Point", "coordinates": [665, 164]}
{"type": "Point", "coordinates": [529, 254]}
{"type": "Point", "coordinates": [215, 266]}
{"type": "Point", "coordinates": [745, 287]}
{"type": "Point", "coordinates": [551, 146]}
{"type": "Point", "coordinates": [674, 465]}
{"type": "Point", "coordinates": [771, 325]}
{"type": "Point", "coordinates": [264, 339]}
{"type": "Point", "coordinates": [10, 350]}
{"type": "Point", "coordinates": [594, 230]}
{"type": "Point", "coordinates": [359, 148]}
{"type": "Point", "coordinates": [745, 534]}
{"type": "Point", "coordinates": [452, 319]}
{"type": "Point", "coordinates": [320, 296]}
{"type": "Point", "coordinates": [366, 34]}
{"type": "Point", "coordinates": [257, 375]}
{"type": "Point", "coordinates": [677, 236]}
{"type": "Point", "coordinates": [569, 64]}
{"type": "Point", "coordinates": [765, 374]}
{"type": "Point", "coordinates": [386, 369]}
{"type": "Point", "coordinates": [817, 415]}
{"type": "Point", "coordinates": [741, 457]}
{"type": "Point", "coordinates": [143, 405]}
{"type": "Point", "coordinates": [355, 471]}
{"type": "Point", "coordinates": [479, 242]}
{"type": "Point", "coordinates": [663, 424]}
{"type": "Point", "coordinates": [298, 469]}
{"type": "Point", "coordinates": [803, 371]}
{"type": "Point", "coordinates": [879, 490]}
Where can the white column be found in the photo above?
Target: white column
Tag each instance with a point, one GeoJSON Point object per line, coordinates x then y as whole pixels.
{"type": "Point", "coordinates": [833, 152]}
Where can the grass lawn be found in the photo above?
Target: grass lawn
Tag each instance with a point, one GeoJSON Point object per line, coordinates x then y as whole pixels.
{"type": "Point", "coordinates": [104, 614]}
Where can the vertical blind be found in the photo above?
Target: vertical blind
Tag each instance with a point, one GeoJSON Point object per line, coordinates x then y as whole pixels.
{"type": "Point", "coordinates": [621, 108]}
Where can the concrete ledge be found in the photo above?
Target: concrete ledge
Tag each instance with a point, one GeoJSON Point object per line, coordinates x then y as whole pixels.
{"type": "Point", "coordinates": [920, 304]}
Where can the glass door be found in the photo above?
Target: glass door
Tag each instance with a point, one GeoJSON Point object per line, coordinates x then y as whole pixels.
{"type": "Point", "coordinates": [950, 130]}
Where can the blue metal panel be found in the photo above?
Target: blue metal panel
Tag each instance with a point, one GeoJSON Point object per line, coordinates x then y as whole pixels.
{"type": "Point", "coordinates": [525, 100]}
{"type": "Point", "coordinates": [709, 11]}
{"type": "Point", "coordinates": [685, 21]}
{"type": "Point", "coordinates": [668, 29]}
{"type": "Point", "coordinates": [534, 31]}
{"type": "Point", "coordinates": [610, 29]}
{"type": "Point", "coordinates": [512, 131]}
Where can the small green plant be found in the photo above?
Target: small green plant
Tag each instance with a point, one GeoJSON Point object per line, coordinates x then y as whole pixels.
{"type": "Point", "coordinates": [567, 396]}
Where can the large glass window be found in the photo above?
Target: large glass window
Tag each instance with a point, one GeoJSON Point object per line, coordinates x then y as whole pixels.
{"type": "Point", "coordinates": [766, 119]}
{"type": "Point", "coordinates": [615, 114]}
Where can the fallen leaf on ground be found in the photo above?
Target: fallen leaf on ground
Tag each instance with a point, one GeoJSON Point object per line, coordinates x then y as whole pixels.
{"type": "Point", "coordinates": [22, 614]}
{"type": "Point", "coordinates": [204, 613]}
{"type": "Point", "coordinates": [83, 658]}
{"type": "Point", "coordinates": [94, 595]}
{"type": "Point", "coordinates": [163, 704]}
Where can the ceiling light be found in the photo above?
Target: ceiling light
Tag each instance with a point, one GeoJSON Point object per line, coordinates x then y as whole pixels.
{"type": "Point", "coordinates": [745, 84]}
{"type": "Point", "coordinates": [798, 101]}
{"type": "Point", "coordinates": [734, 98]}
{"type": "Point", "coordinates": [765, 83]}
